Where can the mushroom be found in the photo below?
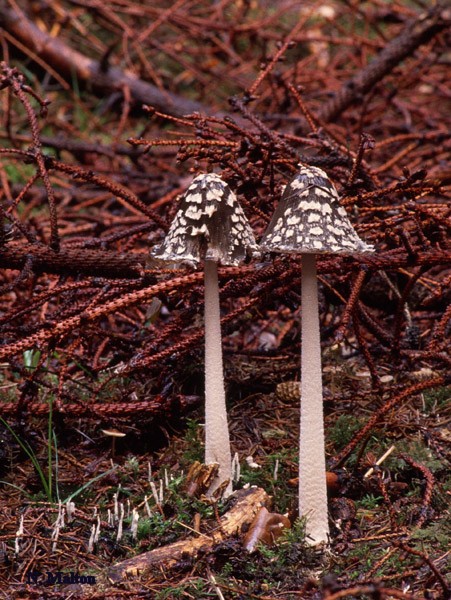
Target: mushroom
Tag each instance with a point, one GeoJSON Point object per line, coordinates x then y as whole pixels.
{"type": "Point", "coordinates": [113, 434]}
{"type": "Point", "coordinates": [211, 225]}
{"type": "Point", "coordinates": [310, 220]}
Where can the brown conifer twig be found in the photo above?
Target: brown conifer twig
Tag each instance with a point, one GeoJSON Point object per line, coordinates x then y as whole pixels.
{"type": "Point", "coordinates": [417, 32]}
{"type": "Point", "coordinates": [72, 261]}
{"type": "Point", "coordinates": [381, 412]}
{"type": "Point", "coordinates": [69, 62]}
{"type": "Point", "coordinates": [15, 80]}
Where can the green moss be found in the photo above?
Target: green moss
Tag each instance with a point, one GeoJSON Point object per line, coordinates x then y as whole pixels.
{"type": "Point", "coordinates": [194, 445]}
{"type": "Point", "coordinates": [435, 538]}
{"type": "Point", "coordinates": [282, 493]}
{"type": "Point", "coordinates": [343, 430]}
{"type": "Point", "coordinates": [436, 399]}
{"type": "Point", "coordinates": [369, 502]}
{"type": "Point", "coordinates": [18, 172]}
{"type": "Point", "coordinates": [196, 588]}
{"type": "Point", "coordinates": [420, 454]}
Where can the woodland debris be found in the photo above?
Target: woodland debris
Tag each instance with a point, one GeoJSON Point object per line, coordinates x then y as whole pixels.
{"type": "Point", "coordinates": [155, 405]}
{"type": "Point", "coordinates": [378, 462]}
{"type": "Point", "coordinates": [265, 528]}
{"type": "Point", "coordinates": [417, 31]}
{"type": "Point", "coordinates": [73, 261]}
{"type": "Point", "coordinates": [70, 62]}
{"type": "Point", "coordinates": [248, 504]}
{"type": "Point", "coordinates": [199, 478]}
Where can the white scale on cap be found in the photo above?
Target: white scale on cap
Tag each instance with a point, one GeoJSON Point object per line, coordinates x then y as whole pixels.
{"type": "Point", "coordinates": [309, 219]}
{"type": "Point", "coordinates": [209, 224]}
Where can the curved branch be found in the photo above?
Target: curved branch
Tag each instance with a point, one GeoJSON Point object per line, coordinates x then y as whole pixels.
{"type": "Point", "coordinates": [70, 62]}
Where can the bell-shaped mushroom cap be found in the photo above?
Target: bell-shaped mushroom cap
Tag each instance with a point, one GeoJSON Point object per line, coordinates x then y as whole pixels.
{"type": "Point", "coordinates": [309, 219]}
{"type": "Point", "coordinates": [210, 224]}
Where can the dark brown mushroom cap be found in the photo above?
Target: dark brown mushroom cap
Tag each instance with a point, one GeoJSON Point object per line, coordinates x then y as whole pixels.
{"type": "Point", "coordinates": [309, 219]}
{"type": "Point", "coordinates": [210, 224]}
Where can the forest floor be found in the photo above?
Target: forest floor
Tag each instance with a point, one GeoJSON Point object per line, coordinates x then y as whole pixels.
{"type": "Point", "coordinates": [108, 110]}
{"type": "Point", "coordinates": [391, 527]}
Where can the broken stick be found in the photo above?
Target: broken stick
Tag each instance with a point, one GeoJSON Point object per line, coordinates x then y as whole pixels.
{"type": "Point", "coordinates": [248, 504]}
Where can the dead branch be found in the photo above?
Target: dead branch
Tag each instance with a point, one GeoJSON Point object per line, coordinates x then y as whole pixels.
{"type": "Point", "coordinates": [78, 147]}
{"type": "Point", "coordinates": [109, 79]}
{"type": "Point", "coordinates": [242, 513]}
{"type": "Point", "coordinates": [416, 33]}
{"type": "Point", "coordinates": [67, 61]}
{"type": "Point", "coordinates": [97, 410]}
{"type": "Point", "coordinates": [72, 261]}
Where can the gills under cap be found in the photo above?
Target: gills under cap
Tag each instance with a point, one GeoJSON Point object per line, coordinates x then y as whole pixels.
{"type": "Point", "coordinates": [309, 219]}
{"type": "Point", "coordinates": [209, 224]}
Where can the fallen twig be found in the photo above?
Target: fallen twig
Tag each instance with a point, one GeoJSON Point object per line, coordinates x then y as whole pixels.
{"type": "Point", "coordinates": [69, 62]}
{"type": "Point", "coordinates": [247, 505]}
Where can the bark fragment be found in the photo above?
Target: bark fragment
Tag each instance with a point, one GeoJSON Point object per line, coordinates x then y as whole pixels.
{"type": "Point", "coordinates": [248, 504]}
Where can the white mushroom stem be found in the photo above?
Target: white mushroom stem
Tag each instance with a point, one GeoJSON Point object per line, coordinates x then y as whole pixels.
{"type": "Point", "coordinates": [217, 440]}
{"type": "Point", "coordinates": [312, 461]}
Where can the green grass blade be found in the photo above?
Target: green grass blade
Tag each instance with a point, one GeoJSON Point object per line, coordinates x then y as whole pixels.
{"type": "Point", "coordinates": [87, 484]}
